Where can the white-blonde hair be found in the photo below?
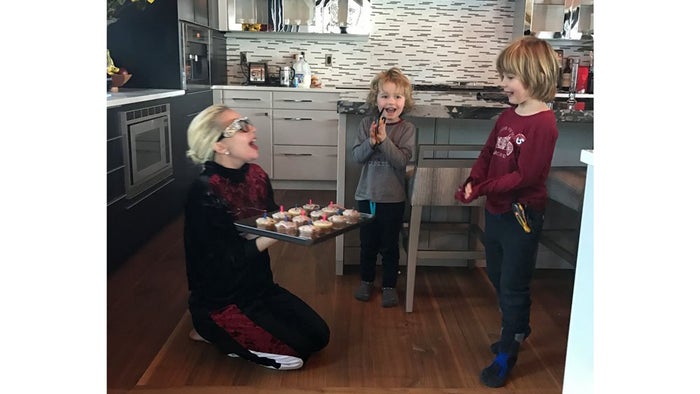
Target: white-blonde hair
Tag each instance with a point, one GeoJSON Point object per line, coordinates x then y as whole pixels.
{"type": "Point", "coordinates": [204, 130]}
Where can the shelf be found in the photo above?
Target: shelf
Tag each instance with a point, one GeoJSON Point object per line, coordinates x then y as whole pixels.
{"type": "Point", "coordinates": [271, 35]}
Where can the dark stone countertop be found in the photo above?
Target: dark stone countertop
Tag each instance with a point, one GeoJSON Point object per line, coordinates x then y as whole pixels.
{"type": "Point", "coordinates": [470, 111]}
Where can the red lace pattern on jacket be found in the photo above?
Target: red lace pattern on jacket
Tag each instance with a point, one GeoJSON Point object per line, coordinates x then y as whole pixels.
{"type": "Point", "coordinates": [244, 199]}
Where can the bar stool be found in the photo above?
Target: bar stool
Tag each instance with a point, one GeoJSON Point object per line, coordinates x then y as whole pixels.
{"type": "Point", "coordinates": [565, 187]}
{"type": "Point", "coordinates": [433, 184]}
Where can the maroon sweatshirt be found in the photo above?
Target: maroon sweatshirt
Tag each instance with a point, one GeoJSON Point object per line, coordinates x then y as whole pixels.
{"type": "Point", "coordinates": [514, 163]}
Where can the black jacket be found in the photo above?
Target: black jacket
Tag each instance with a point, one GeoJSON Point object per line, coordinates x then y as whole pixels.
{"type": "Point", "coordinates": [223, 267]}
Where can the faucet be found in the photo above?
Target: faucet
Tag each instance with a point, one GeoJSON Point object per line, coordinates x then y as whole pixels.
{"type": "Point", "coordinates": [571, 101]}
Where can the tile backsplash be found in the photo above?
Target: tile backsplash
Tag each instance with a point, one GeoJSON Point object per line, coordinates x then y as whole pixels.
{"type": "Point", "coordinates": [433, 42]}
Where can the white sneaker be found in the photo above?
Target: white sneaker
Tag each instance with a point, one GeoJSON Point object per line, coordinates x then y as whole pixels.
{"type": "Point", "coordinates": [286, 362]}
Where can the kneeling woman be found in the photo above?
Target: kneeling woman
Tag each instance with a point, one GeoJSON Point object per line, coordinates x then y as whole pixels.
{"type": "Point", "coordinates": [234, 302]}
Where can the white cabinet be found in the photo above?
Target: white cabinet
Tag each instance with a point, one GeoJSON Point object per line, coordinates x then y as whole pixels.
{"type": "Point", "coordinates": [257, 106]}
{"type": "Point", "coordinates": [297, 131]}
{"type": "Point", "coordinates": [305, 137]}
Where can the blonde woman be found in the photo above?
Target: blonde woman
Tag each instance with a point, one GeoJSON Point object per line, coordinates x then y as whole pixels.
{"type": "Point", "coordinates": [234, 302]}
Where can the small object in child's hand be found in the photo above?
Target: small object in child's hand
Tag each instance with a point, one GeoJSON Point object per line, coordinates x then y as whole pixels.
{"type": "Point", "coordinates": [520, 216]}
{"type": "Point", "coordinates": [379, 117]}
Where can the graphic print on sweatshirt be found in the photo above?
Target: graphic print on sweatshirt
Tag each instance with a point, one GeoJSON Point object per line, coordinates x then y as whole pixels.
{"type": "Point", "coordinates": [504, 142]}
{"type": "Point", "coordinates": [504, 146]}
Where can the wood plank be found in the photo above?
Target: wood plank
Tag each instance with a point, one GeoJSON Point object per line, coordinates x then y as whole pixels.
{"type": "Point", "coordinates": [439, 348]}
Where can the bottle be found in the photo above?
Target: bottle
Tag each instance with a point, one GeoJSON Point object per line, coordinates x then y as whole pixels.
{"type": "Point", "coordinates": [560, 59]}
{"type": "Point", "coordinates": [589, 88]}
{"type": "Point", "coordinates": [566, 76]}
{"type": "Point", "coordinates": [302, 72]}
{"type": "Point", "coordinates": [574, 73]}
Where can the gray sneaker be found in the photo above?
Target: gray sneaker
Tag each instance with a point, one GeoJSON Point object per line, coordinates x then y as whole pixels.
{"type": "Point", "coordinates": [364, 290]}
{"type": "Point", "coordinates": [389, 297]}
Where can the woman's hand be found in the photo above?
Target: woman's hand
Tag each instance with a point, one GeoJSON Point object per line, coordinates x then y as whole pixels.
{"type": "Point", "coordinates": [264, 242]}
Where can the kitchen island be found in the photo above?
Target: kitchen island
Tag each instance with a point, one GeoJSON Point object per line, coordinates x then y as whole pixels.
{"type": "Point", "coordinates": [446, 118]}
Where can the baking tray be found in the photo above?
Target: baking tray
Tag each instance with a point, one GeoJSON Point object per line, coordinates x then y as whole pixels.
{"type": "Point", "coordinates": [248, 225]}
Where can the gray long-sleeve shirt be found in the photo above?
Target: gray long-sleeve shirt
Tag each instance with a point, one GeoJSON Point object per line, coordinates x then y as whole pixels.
{"type": "Point", "coordinates": [383, 176]}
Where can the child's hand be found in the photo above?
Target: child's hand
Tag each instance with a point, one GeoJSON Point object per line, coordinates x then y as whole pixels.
{"type": "Point", "coordinates": [463, 192]}
{"type": "Point", "coordinates": [373, 134]}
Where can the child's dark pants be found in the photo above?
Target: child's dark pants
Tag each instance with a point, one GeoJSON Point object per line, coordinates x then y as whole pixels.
{"type": "Point", "coordinates": [510, 264]}
{"type": "Point", "coordinates": [381, 236]}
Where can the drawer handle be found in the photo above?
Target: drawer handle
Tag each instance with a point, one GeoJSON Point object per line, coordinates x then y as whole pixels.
{"type": "Point", "coordinates": [298, 101]}
{"type": "Point", "coordinates": [297, 119]}
{"type": "Point", "coordinates": [245, 99]}
{"type": "Point", "coordinates": [297, 154]}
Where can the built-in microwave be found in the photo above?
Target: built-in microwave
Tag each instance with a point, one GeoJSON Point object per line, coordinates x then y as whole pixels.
{"type": "Point", "coordinates": [147, 147]}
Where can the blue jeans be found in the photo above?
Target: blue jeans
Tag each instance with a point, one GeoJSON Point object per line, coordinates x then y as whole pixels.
{"type": "Point", "coordinates": [510, 264]}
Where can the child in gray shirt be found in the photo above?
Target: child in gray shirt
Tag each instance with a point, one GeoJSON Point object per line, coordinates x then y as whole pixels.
{"type": "Point", "coordinates": [383, 146]}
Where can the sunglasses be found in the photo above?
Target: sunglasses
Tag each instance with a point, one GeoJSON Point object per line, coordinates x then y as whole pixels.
{"type": "Point", "coordinates": [240, 124]}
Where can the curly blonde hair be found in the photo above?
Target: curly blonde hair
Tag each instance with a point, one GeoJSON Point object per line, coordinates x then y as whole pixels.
{"type": "Point", "coordinates": [204, 130]}
{"type": "Point", "coordinates": [534, 62]}
{"type": "Point", "coordinates": [394, 75]}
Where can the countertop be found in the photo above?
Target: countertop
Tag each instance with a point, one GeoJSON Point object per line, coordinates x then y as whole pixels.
{"type": "Point", "coordinates": [132, 96]}
{"type": "Point", "coordinates": [470, 110]}
{"type": "Point", "coordinates": [275, 88]}
{"type": "Point", "coordinates": [467, 104]}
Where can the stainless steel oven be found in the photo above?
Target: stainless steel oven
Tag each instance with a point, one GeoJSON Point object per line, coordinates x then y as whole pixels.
{"type": "Point", "coordinates": [147, 147]}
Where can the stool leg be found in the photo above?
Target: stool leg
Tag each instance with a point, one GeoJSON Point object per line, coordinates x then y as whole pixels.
{"type": "Point", "coordinates": [413, 233]}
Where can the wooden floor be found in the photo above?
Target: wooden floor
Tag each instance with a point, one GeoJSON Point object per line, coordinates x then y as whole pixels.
{"type": "Point", "coordinates": [439, 348]}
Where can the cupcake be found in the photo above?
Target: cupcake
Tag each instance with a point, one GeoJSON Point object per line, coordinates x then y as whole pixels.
{"type": "Point", "coordinates": [281, 215]}
{"type": "Point", "coordinates": [296, 211]}
{"type": "Point", "coordinates": [302, 219]}
{"type": "Point", "coordinates": [315, 215]}
{"type": "Point", "coordinates": [286, 227]}
{"type": "Point", "coordinates": [310, 207]}
{"type": "Point", "coordinates": [323, 225]}
{"type": "Point", "coordinates": [330, 209]}
{"type": "Point", "coordinates": [265, 222]}
{"type": "Point", "coordinates": [352, 216]}
{"type": "Point", "coordinates": [338, 220]}
{"type": "Point", "coordinates": [306, 231]}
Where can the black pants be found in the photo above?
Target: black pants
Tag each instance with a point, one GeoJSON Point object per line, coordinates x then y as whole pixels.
{"type": "Point", "coordinates": [510, 263]}
{"type": "Point", "coordinates": [381, 236]}
{"type": "Point", "coordinates": [277, 322]}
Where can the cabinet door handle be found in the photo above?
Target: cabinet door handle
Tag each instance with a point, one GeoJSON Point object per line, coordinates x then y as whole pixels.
{"type": "Point", "coordinates": [245, 99]}
{"type": "Point", "coordinates": [297, 154]}
{"type": "Point", "coordinates": [297, 118]}
{"type": "Point", "coordinates": [298, 101]}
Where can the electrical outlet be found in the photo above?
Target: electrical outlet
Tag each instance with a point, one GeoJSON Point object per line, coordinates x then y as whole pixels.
{"type": "Point", "coordinates": [244, 58]}
{"type": "Point", "coordinates": [329, 60]}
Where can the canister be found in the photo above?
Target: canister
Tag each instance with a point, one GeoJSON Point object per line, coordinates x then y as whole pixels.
{"type": "Point", "coordinates": [286, 76]}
